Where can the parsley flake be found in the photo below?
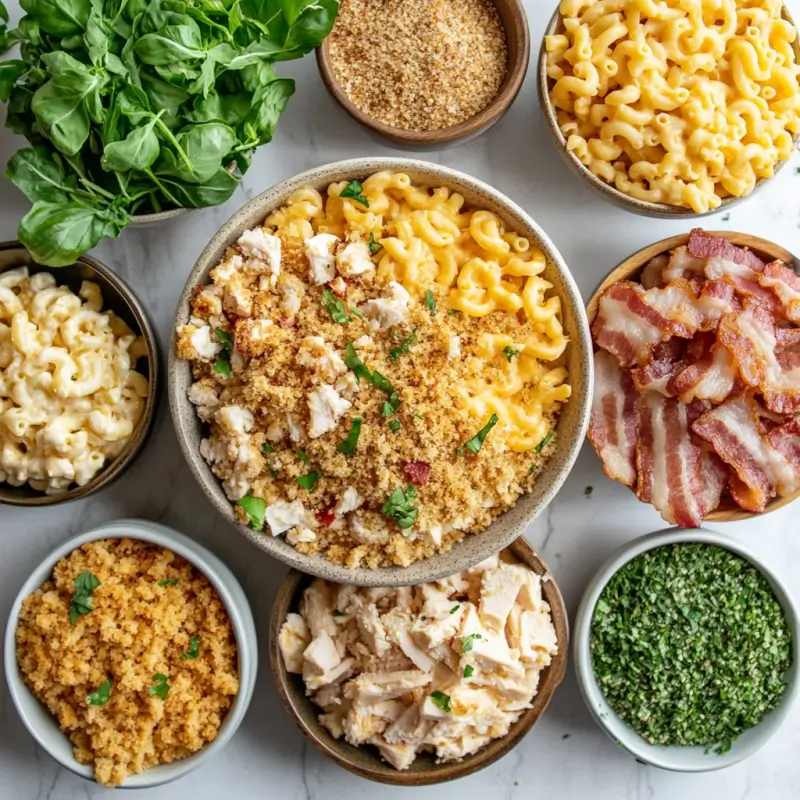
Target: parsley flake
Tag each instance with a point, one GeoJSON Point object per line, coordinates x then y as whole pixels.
{"type": "Point", "coordinates": [441, 700]}
{"type": "Point", "coordinates": [358, 367]}
{"type": "Point", "coordinates": [394, 425]}
{"type": "Point", "coordinates": [308, 482]}
{"type": "Point", "coordinates": [337, 613]}
{"type": "Point", "coordinates": [169, 582]}
{"type": "Point", "coordinates": [476, 442]}
{"type": "Point", "coordinates": [469, 671]}
{"type": "Point", "coordinates": [194, 649]}
{"type": "Point", "coordinates": [468, 642]}
{"type": "Point", "coordinates": [455, 608]}
{"type": "Point", "coordinates": [543, 443]}
{"type": "Point", "coordinates": [405, 346]}
{"type": "Point", "coordinates": [355, 312]}
{"type": "Point", "coordinates": [430, 302]}
{"type": "Point", "coordinates": [335, 307]}
{"type": "Point", "coordinates": [510, 352]}
{"type": "Point", "coordinates": [454, 311]}
{"type": "Point", "coordinates": [400, 507]}
{"type": "Point", "coordinates": [303, 456]}
{"type": "Point", "coordinates": [160, 688]}
{"type": "Point", "coordinates": [267, 448]}
{"type": "Point", "coordinates": [374, 247]}
{"type": "Point", "coordinates": [255, 508]}
{"type": "Point", "coordinates": [382, 382]}
{"type": "Point", "coordinates": [223, 365]}
{"type": "Point", "coordinates": [533, 469]}
{"type": "Point", "coordinates": [83, 599]}
{"type": "Point", "coordinates": [348, 446]}
{"type": "Point", "coordinates": [355, 190]}
{"type": "Point", "coordinates": [99, 697]}
{"type": "Point", "coordinates": [225, 338]}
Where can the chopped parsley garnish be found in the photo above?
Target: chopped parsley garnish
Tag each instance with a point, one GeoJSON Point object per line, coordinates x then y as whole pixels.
{"type": "Point", "coordinates": [468, 642]}
{"type": "Point", "coordinates": [99, 697]}
{"type": "Point", "coordinates": [543, 443]}
{"type": "Point", "coordinates": [454, 311]}
{"type": "Point", "coordinates": [418, 415]}
{"type": "Point", "coordinates": [355, 190]}
{"type": "Point", "coordinates": [273, 473]}
{"type": "Point", "coordinates": [225, 338]}
{"type": "Point", "coordinates": [441, 700]}
{"type": "Point", "coordinates": [169, 582]}
{"type": "Point", "coordinates": [303, 456]}
{"type": "Point", "coordinates": [476, 442]}
{"type": "Point", "coordinates": [382, 382]}
{"type": "Point", "coordinates": [460, 451]}
{"type": "Point", "coordinates": [255, 508]}
{"type": "Point", "coordinates": [194, 649]}
{"type": "Point", "coordinates": [468, 671]}
{"type": "Point", "coordinates": [430, 302]}
{"type": "Point", "coordinates": [337, 613]}
{"type": "Point", "coordinates": [348, 446]}
{"type": "Point", "coordinates": [82, 600]}
{"type": "Point", "coordinates": [223, 365]}
{"type": "Point", "coordinates": [308, 482]}
{"type": "Point", "coordinates": [386, 409]}
{"type": "Point", "coordinates": [533, 468]}
{"type": "Point", "coordinates": [455, 608]}
{"type": "Point", "coordinates": [374, 246]}
{"type": "Point", "coordinates": [356, 312]}
{"type": "Point", "coordinates": [160, 688]}
{"type": "Point", "coordinates": [405, 346]}
{"type": "Point", "coordinates": [267, 448]}
{"type": "Point", "coordinates": [690, 645]}
{"type": "Point", "coordinates": [394, 425]}
{"type": "Point", "coordinates": [358, 367]}
{"type": "Point", "coordinates": [335, 307]}
{"type": "Point", "coordinates": [587, 492]}
{"type": "Point", "coordinates": [510, 352]}
{"type": "Point", "coordinates": [400, 507]}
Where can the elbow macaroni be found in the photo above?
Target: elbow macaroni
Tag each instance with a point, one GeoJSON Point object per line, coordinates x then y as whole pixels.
{"type": "Point", "coordinates": [682, 102]}
{"type": "Point", "coordinates": [69, 398]}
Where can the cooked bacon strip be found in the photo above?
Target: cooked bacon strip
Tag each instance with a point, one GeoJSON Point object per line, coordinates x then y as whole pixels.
{"type": "Point", "coordinates": [667, 461]}
{"type": "Point", "coordinates": [787, 338]}
{"type": "Point", "coordinates": [652, 273]}
{"type": "Point", "coordinates": [785, 284]}
{"type": "Point", "coordinates": [683, 265]}
{"type": "Point", "coordinates": [717, 298]}
{"type": "Point", "coordinates": [737, 435]}
{"type": "Point", "coordinates": [716, 248]}
{"type": "Point", "coordinates": [752, 340]}
{"type": "Point", "coordinates": [714, 476]}
{"type": "Point", "coordinates": [666, 362]}
{"type": "Point", "coordinates": [786, 440]}
{"type": "Point", "coordinates": [712, 377]}
{"type": "Point", "coordinates": [612, 426]}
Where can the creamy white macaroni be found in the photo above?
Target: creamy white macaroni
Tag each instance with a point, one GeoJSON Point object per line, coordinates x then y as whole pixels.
{"type": "Point", "coordinates": [69, 396]}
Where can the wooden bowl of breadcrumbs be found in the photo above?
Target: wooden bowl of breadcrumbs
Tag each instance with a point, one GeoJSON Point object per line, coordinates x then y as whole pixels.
{"type": "Point", "coordinates": [426, 73]}
{"type": "Point", "coordinates": [130, 654]}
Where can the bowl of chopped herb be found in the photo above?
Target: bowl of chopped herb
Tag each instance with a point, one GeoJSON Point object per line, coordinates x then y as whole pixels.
{"type": "Point", "coordinates": [685, 649]}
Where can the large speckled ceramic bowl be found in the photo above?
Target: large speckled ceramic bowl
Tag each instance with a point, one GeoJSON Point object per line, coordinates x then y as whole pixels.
{"type": "Point", "coordinates": [572, 422]}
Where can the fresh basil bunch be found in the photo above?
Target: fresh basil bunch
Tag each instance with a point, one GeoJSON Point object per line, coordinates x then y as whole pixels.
{"type": "Point", "coordinates": [135, 106]}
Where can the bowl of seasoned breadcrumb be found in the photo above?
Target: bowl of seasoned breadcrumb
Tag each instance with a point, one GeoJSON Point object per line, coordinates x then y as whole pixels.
{"type": "Point", "coordinates": [380, 371]}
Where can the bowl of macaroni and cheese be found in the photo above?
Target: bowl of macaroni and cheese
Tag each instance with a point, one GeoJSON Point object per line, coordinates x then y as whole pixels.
{"type": "Point", "coordinates": [380, 371]}
{"type": "Point", "coordinates": [78, 378]}
{"type": "Point", "coordinates": [672, 109]}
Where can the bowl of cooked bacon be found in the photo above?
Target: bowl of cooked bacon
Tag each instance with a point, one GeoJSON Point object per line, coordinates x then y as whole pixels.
{"type": "Point", "coordinates": [697, 376]}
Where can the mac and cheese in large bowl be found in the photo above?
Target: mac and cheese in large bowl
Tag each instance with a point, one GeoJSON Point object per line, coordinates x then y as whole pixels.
{"type": "Point", "coordinates": [372, 363]}
{"type": "Point", "coordinates": [673, 107]}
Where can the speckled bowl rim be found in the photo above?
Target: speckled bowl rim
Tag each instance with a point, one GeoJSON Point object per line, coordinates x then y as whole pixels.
{"type": "Point", "coordinates": [372, 767]}
{"type": "Point", "coordinates": [609, 192]}
{"type": "Point", "coordinates": [472, 549]}
{"type": "Point", "coordinates": [44, 728]}
{"type": "Point", "coordinates": [135, 445]}
{"type": "Point", "coordinates": [679, 759]}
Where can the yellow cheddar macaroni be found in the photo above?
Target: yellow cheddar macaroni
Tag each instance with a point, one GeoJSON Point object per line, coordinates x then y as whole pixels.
{"type": "Point", "coordinates": [380, 367]}
{"type": "Point", "coordinates": [69, 396]}
{"type": "Point", "coordinates": [682, 102]}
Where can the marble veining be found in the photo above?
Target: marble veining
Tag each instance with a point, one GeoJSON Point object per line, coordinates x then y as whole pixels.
{"type": "Point", "coordinates": [565, 755]}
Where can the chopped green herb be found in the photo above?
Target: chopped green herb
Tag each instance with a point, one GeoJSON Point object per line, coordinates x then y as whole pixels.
{"type": "Point", "coordinates": [468, 642]}
{"type": "Point", "coordinates": [460, 451]}
{"type": "Point", "coordinates": [541, 446]}
{"type": "Point", "coordinates": [400, 507]}
{"type": "Point", "coordinates": [455, 608]}
{"type": "Point", "coordinates": [468, 671]}
{"type": "Point", "coordinates": [405, 346]}
{"type": "Point", "coordinates": [356, 192]}
{"type": "Point", "coordinates": [374, 246]}
{"type": "Point", "coordinates": [386, 409]}
{"type": "Point", "coordinates": [194, 649]}
{"type": "Point", "coordinates": [533, 468]}
{"type": "Point", "coordinates": [169, 582]}
{"type": "Point", "coordinates": [587, 492]}
{"type": "Point", "coordinates": [308, 482]}
{"type": "Point", "coordinates": [418, 415]}
{"type": "Point", "coordinates": [255, 508]}
{"type": "Point", "coordinates": [394, 425]}
{"type": "Point", "coordinates": [356, 312]}
{"type": "Point", "coordinates": [454, 311]}
{"type": "Point", "coordinates": [442, 700]}
{"type": "Point", "coordinates": [337, 613]}
{"type": "Point", "coordinates": [510, 352]}
{"type": "Point", "coordinates": [82, 600]}
{"type": "Point", "coordinates": [358, 367]}
{"type": "Point", "coordinates": [303, 456]}
{"type": "Point", "coordinates": [273, 473]}
{"type": "Point", "coordinates": [223, 366]}
{"type": "Point", "coordinates": [476, 442]}
{"type": "Point", "coordinates": [382, 382]}
{"type": "Point", "coordinates": [267, 448]}
{"type": "Point", "coordinates": [99, 697]}
{"type": "Point", "coordinates": [225, 338]}
{"type": "Point", "coordinates": [430, 302]}
{"type": "Point", "coordinates": [160, 688]}
{"type": "Point", "coordinates": [690, 646]}
{"type": "Point", "coordinates": [335, 307]}
{"type": "Point", "coordinates": [348, 446]}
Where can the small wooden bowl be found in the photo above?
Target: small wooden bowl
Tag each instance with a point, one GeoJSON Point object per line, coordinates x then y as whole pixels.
{"type": "Point", "coordinates": [365, 761]}
{"type": "Point", "coordinates": [118, 297]}
{"type": "Point", "coordinates": [642, 207]}
{"type": "Point", "coordinates": [631, 269]}
{"type": "Point", "coordinates": [515, 22]}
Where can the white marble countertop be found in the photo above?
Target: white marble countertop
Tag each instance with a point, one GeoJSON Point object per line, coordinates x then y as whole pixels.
{"type": "Point", "coordinates": [566, 755]}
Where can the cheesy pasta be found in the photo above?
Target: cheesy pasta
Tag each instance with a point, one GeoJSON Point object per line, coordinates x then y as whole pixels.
{"type": "Point", "coordinates": [682, 102]}
{"type": "Point", "coordinates": [69, 396]}
{"type": "Point", "coordinates": [380, 367]}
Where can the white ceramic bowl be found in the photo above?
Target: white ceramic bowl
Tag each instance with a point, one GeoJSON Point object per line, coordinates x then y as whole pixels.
{"type": "Point", "coordinates": [44, 727]}
{"type": "Point", "coordinates": [678, 759]}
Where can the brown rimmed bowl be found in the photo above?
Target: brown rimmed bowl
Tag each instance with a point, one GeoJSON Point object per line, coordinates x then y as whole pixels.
{"type": "Point", "coordinates": [515, 23]}
{"type": "Point", "coordinates": [365, 761]}
{"type": "Point", "coordinates": [609, 192]}
{"type": "Point", "coordinates": [119, 298]}
{"type": "Point", "coordinates": [631, 270]}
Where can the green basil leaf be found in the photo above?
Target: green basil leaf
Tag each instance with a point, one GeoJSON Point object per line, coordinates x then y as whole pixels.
{"type": "Point", "coordinates": [194, 649]}
{"type": "Point", "coordinates": [60, 18]}
{"type": "Point", "coordinates": [348, 446]}
{"type": "Point", "coordinates": [255, 508]}
{"type": "Point", "coordinates": [137, 151]}
{"type": "Point", "coordinates": [476, 442]}
{"type": "Point", "coordinates": [268, 104]}
{"type": "Point", "coordinates": [442, 700]}
{"type": "Point", "coordinates": [171, 45]}
{"type": "Point", "coordinates": [430, 302]}
{"type": "Point", "coordinates": [36, 173]}
{"type": "Point", "coordinates": [160, 688]}
{"type": "Point", "coordinates": [308, 482]}
{"type": "Point", "coordinates": [99, 697]}
{"type": "Point", "coordinates": [10, 71]}
{"type": "Point", "coordinates": [543, 443]}
{"type": "Point", "coordinates": [399, 506]}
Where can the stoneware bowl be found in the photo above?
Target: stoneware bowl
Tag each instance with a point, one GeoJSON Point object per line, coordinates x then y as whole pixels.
{"type": "Point", "coordinates": [642, 207]}
{"type": "Point", "coordinates": [515, 22]}
{"type": "Point", "coordinates": [678, 759]}
{"type": "Point", "coordinates": [631, 269]}
{"type": "Point", "coordinates": [572, 422]}
{"type": "Point", "coordinates": [44, 727]}
{"type": "Point", "coordinates": [118, 297]}
{"type": "Point", "coordinates": [365, 761]}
